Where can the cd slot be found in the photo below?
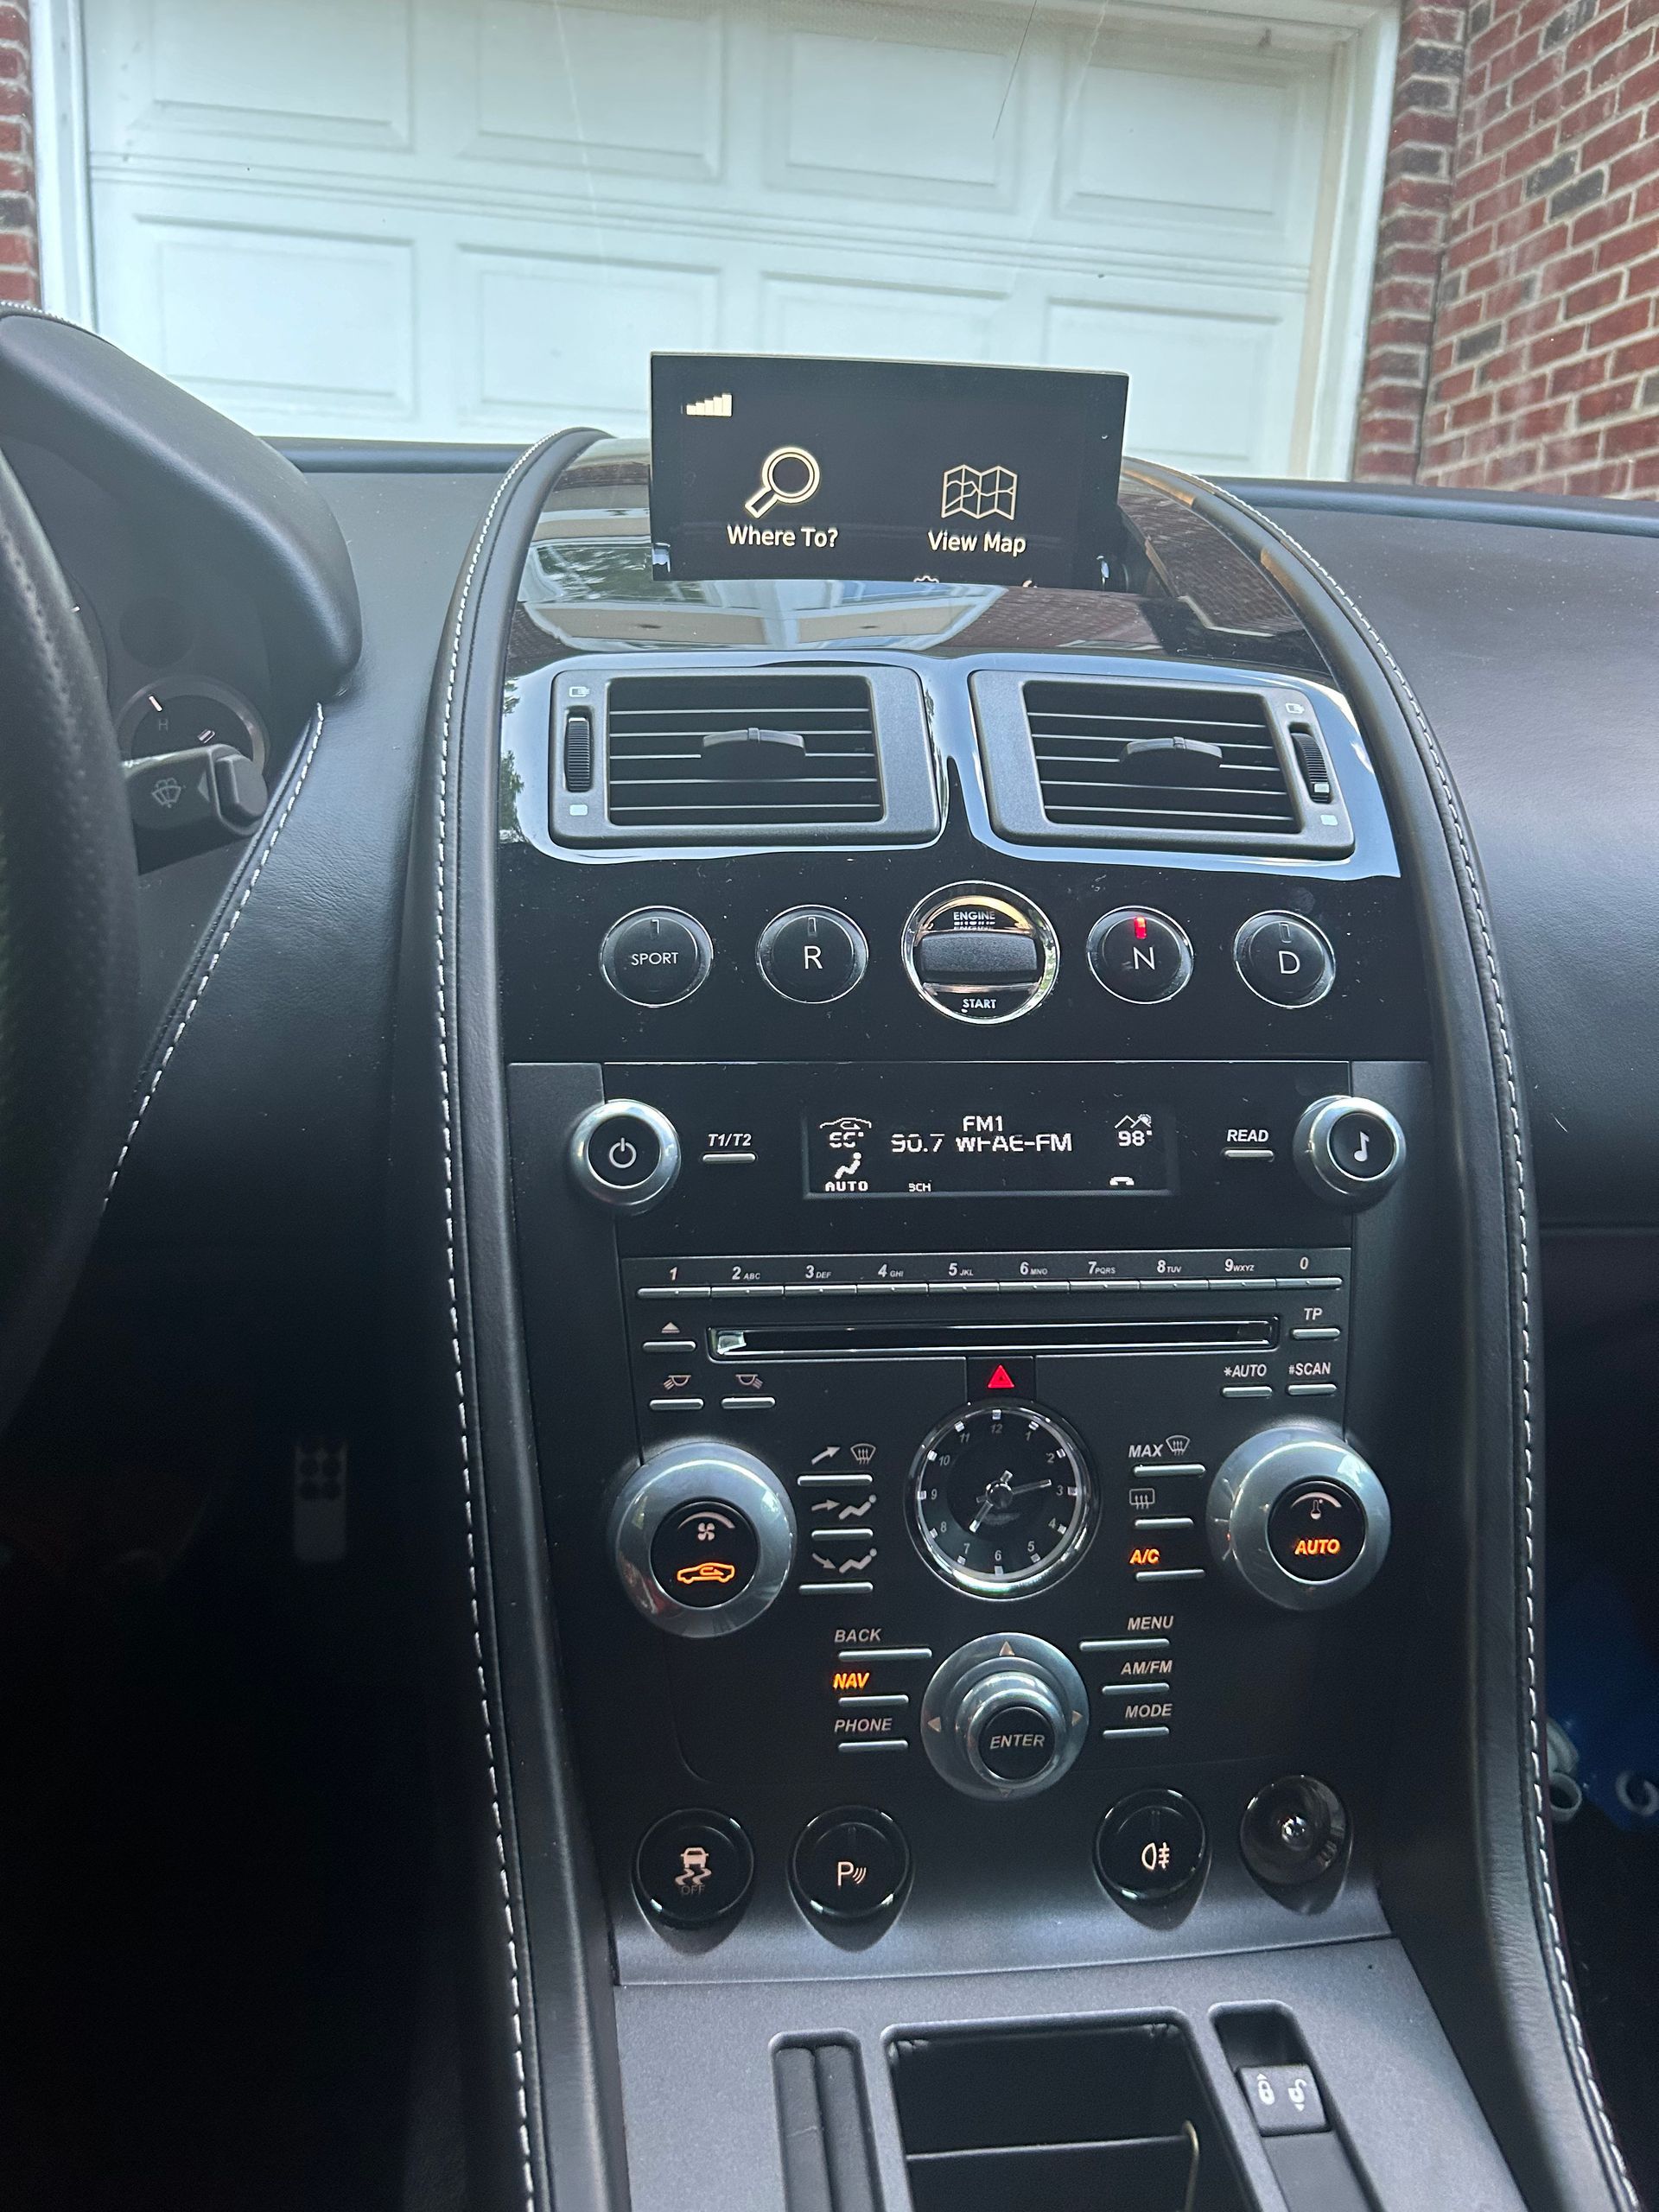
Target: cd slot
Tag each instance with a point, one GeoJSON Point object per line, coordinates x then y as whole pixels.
{"type": "Point", "coordinates": [1259, 1332]}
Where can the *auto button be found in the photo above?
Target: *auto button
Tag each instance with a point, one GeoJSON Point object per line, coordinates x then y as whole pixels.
{"type": "Point", "coordinates": [705, 1554]}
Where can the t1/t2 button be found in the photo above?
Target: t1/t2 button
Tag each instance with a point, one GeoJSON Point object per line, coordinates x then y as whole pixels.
{"type": "Point", "coordinates": [813, 955]}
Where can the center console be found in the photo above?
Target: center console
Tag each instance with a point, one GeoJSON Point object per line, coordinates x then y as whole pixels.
{"type": "Point", "coordinates": [989, 1226]}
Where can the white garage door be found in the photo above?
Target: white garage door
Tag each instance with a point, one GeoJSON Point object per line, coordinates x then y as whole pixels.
{"type": "Point", "coordinates": [474, 219]}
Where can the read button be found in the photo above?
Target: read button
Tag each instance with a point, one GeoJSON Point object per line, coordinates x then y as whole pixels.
{"type": "Point", "coordinates": [1315, 1531]}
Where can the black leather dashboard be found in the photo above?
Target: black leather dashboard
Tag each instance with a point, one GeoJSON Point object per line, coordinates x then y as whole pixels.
{"type": "Point", "coordinates": [1533, 649]}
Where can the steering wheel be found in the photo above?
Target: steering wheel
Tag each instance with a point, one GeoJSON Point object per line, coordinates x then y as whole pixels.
{"type": "Point", "coordinates": [68, 945]}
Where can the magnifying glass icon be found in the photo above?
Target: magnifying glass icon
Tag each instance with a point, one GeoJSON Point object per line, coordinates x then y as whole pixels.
{"type": "Point", "coordinates": [778, 485]}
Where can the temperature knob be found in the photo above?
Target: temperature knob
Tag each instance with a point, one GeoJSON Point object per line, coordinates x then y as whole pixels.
{"type": "Point", "coordinates": [703, 1535]}
{"type": "Point", "coordinates": [1297, 1516]}
{"type": "Point", "coordinates": [1004, 1717]}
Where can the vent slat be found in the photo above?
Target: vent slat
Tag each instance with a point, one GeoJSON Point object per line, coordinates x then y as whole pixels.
{"type": "Point", "coordinates": [1080, 734]}
{"type": "Point", "coordinates": [658, 774]}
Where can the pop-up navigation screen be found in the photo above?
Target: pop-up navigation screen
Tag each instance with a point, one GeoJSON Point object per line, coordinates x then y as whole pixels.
{"type": "Point", "coordinates": [765, 466]}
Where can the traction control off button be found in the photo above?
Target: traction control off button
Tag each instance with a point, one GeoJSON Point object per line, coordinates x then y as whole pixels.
{"type": "Point", "coordinates": [693, 1869]}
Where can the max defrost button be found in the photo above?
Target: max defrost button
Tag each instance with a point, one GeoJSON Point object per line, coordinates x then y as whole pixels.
{"type": "Point", "coordinates": [705, 1554]}
{"type": "Point", "coordinates": [693, 1868]}
{"type": "Point", "coordinates": [657, 956]}
{"type": "Point", "coordinates": [850, 1865]}
{"type": "Point", "coordinates": [1315, 1531]}
{"type": "Point", "coordinates": [813, 955]}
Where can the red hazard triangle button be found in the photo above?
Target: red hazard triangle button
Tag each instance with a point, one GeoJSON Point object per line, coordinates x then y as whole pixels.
{"type": "Point", "coordinates": [995, 1378]}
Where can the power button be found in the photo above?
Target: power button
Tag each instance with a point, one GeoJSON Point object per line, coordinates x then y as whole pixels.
{"type": "Point", "coordinates": [625, 1155]}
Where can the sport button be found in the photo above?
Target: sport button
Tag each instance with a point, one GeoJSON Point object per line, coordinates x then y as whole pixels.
{"type": "Point", "coordinates": [850, 1865]}
{"type": "Point", "coordinates": [812, 955]}
{"type": "Point", "coordinates": [705, 1554]}
{"type": "Point", "coordinates": [656, 958]}
{"type": "Point", "coordinates": [1316, 1531]}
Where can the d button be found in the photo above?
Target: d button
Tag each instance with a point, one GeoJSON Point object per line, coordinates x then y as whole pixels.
{"type": "Point", "coordinates": [1285, 960]}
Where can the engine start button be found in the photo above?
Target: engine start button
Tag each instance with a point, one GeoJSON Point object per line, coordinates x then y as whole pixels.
{"type": "Point", "coordinates": [1316, 1531]}
{"type": "Point", "coordinates": [980, 953]}
{"type": "Point", "coordinates": [705, 1554]}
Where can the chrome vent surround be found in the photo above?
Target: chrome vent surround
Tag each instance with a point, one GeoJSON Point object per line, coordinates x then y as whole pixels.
{"type": "Point", "coordinates": [1100, 762]}
{"type": "Point", "coordinates": [754, 756]}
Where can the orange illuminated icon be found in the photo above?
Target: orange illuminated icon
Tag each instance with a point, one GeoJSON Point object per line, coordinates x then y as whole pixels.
{"type": "Point", "coordinates": [1145, 1555]}
{"type": "Point", "coordinates": [1319, 1547]}
{"type": "Point", "coordinates": [708, 1570]}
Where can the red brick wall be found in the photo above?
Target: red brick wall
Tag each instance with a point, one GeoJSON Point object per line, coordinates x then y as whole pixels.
{"type": "Point", "coordinates": [20, 255]}
{"type": "Point", "coordinates": [1544, 363]}
{"type": "Point", "coordinates": [1417, 203]}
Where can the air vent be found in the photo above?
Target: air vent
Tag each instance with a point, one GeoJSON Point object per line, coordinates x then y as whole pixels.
{"type": "Point", "coordinates": [751, 757]}
{"type": "Point", "coordinates": [1141, 758]}
{"type": "Point", "coordinates": [1130, 763]}
{"type": "Point", "coordinates": [757, 751]}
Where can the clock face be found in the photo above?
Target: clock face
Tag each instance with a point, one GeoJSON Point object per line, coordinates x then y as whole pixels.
{"type": "Point", "coordinates": [1001, 1500]}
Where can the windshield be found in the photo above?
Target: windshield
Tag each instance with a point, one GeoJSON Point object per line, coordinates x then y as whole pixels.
{"type": "Point", "coordinates": [474, 220]}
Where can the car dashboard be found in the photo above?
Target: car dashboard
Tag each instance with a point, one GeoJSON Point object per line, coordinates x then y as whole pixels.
{"type": "Point", "coordinates": [949, 1199]}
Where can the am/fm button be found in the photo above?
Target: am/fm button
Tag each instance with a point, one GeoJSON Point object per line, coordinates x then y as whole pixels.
{"type": "Point", "coordinates": [1316, 1531]}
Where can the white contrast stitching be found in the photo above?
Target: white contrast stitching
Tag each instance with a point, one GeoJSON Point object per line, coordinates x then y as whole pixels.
{"type": "Point", "coordinates": [213, 959]}
{"type": "Point", "coordinates": [1567, 2001]}
{"type": "Point", "coordinates": [446, 1080]}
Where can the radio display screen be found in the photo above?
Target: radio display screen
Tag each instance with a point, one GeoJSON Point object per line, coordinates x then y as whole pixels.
{"type": "Point", "coordinates": [1059, 1145]}
{"type": "Point", "coordinates": [778, 467]}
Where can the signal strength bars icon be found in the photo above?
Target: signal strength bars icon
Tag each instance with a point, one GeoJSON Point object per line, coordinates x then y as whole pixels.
{"type": "Point", "coordinates": [718, 403]}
